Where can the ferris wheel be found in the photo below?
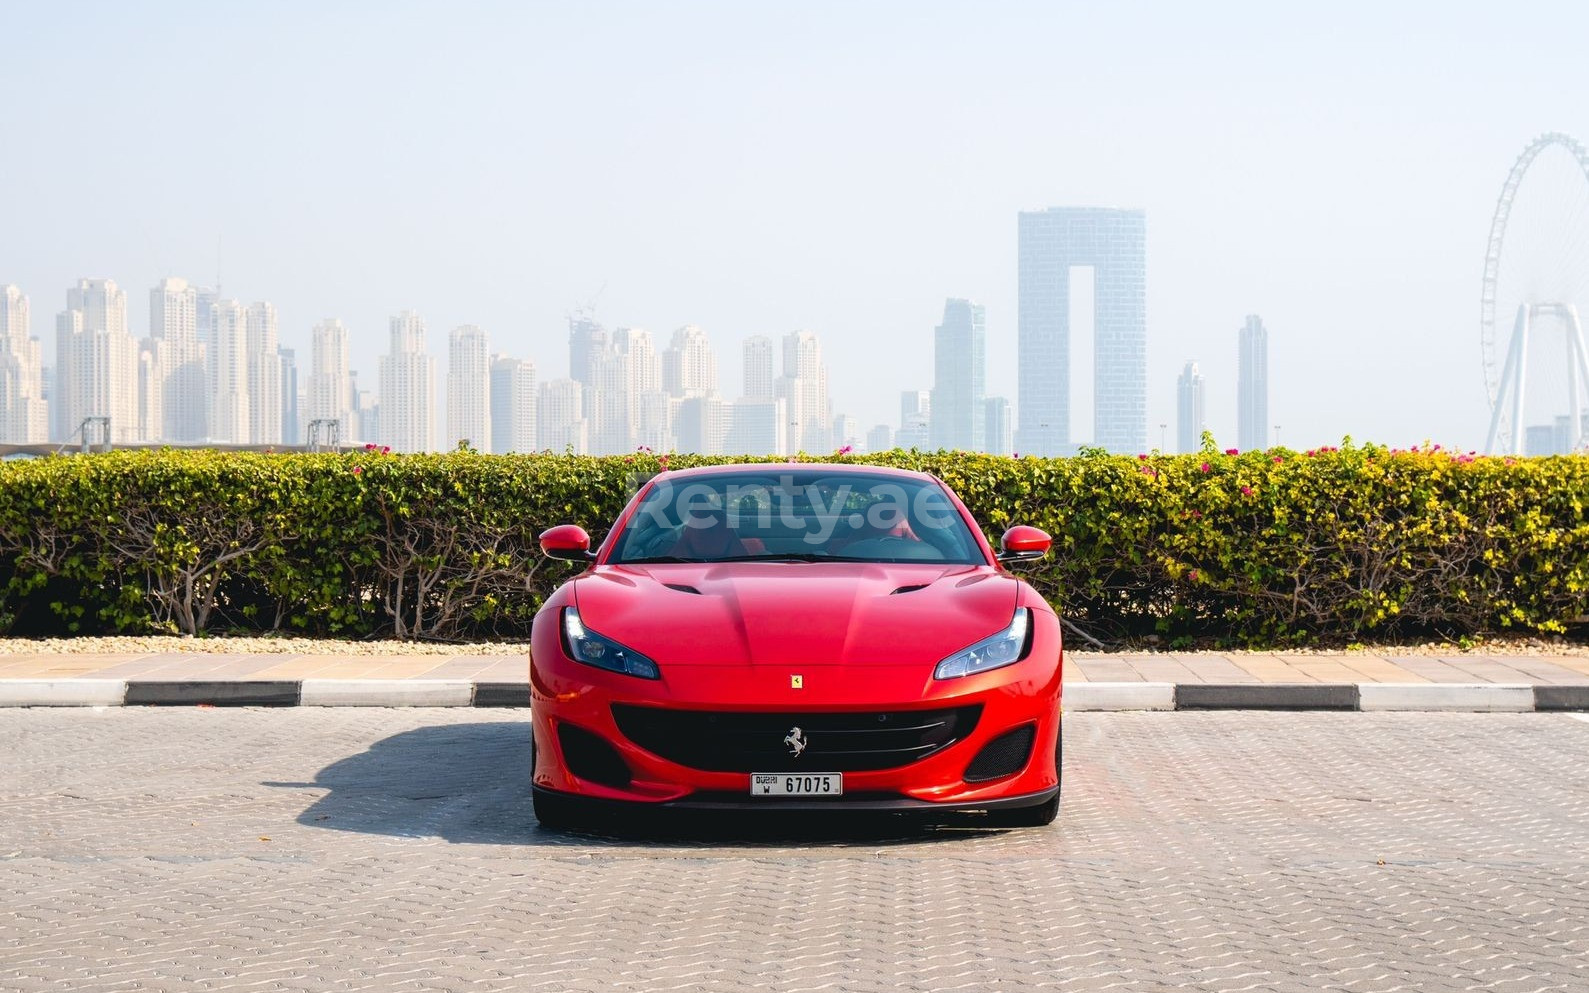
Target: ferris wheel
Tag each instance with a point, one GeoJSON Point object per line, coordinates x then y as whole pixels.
{"type": "Point", "coordinates": [1536, 278]}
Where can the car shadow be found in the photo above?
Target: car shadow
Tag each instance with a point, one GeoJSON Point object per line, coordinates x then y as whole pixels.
{"type": "Point", "coordinates": [469, 784]}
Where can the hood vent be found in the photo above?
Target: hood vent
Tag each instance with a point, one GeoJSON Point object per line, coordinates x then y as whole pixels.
{"type": "Point", "coordinates": [682, 588]}
{"type": "Point", "coordinates": [911, 589]}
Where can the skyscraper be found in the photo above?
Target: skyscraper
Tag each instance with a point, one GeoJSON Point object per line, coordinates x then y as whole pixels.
{"type": "Point", "coordinates": [150, 393]}
{"type": "Point", "coordinates": [880, 438]}
{"type": "Point", "coordinates": [1191, 419]}
{"type": "Point", "coordinates": [229, 415]}
{"type": "Point", "coordinates": [804, 385]}
{"type": "Point", "coordinates": [586, 341]}
{"type": "Point", "coordinates": [645, 408]}
{"type": "Point", "coordinates": [513, 405]}
{"type": "Point", "coordinates": [561, 418]}
{"type": "Point", "coordinates": [689, 367]}
{"type": "Point", "coordinates": [915, 413]}
{"type": "Point", "coordinates": [759, 367]}
{"type": "Point", "coordinates": [469, 398]}
{"type": "Point", "coordinates": [958, 373]}
{"type": "Point", "coordinates": [96, 362]}
{"type": "Point", "coordinates": [291, 433]}
{"type": "Point", "coordinates": [1113, 243]}
{"type": "Point", "coordinates": [264, 375]}
{"type": "Point", "coordinates": [408, 388]}
{"type": "Point", "coordinates": [330, 392]}
{"type": "Point", "coordinates": [846, 430]}
{"type": "Point", "coordinates": [702, 424]}
{"type": "Point", "coordinates": [1252, 385]}
{"type": "Point", "coordinates": [24, 414]}
{"type": "Point", "coordinates": [185, 387]}
{"type": "Point", "coordinates": [755, 427]}
{"type": "Point", "coordinates": [999, 426]}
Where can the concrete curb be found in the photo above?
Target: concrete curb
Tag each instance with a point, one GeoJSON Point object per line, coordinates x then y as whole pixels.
{"type": "Point", "coordinates": [62, 692]}
{"type": "Point", "coordinates": [1078, 696]}
{"type": "Point", "coordinates": [1469, 697]}
{"type": "Point", "coordinates": [386, 693]}
{"type": "Point", "coordinates": [1118, 696]}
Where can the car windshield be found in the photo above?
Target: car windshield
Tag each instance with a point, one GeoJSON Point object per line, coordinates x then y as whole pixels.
{"type": "Point", "coordinates": [805, 516]}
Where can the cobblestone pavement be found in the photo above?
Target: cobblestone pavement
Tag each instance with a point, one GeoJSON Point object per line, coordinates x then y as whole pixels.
{"type": "Point", "coordinates": [395, 850]}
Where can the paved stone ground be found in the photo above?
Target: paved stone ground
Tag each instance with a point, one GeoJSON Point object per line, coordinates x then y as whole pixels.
{"type": "Point", "coordinates": [395, 850]}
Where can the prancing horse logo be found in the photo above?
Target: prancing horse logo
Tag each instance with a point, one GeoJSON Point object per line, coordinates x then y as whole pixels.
{"type": "Point", "coordinates": [796, 740]}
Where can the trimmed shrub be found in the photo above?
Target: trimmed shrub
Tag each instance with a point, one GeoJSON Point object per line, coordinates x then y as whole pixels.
{"type": "Point", "coordinates": [1259, 548]}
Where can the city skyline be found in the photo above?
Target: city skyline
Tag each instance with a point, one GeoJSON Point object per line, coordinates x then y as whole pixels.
{"type": "Point", "coordinates": [212, 369]}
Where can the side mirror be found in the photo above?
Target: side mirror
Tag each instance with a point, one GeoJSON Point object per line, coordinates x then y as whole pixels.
{"type": "Point", "coordinates": [1023, 544]}
{"type": "Point", "coordinates": [566, 541]}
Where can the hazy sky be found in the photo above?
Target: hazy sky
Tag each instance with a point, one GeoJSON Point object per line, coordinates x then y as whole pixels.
{"type": "Point", "coordinates": [844, 167]}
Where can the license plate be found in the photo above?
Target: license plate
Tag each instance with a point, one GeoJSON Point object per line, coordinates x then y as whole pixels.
{"type": "Point", "coordinates": [797, 784]}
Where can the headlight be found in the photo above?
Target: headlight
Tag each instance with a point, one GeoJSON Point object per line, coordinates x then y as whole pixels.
{"type": "Point", "coordinates": [1004, 648]}
{"type": "Point", "coordinates": [585, 645]}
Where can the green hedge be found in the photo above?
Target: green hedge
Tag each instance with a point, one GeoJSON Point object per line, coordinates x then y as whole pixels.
{"type": "Point", "coordinates": [1264, 547]}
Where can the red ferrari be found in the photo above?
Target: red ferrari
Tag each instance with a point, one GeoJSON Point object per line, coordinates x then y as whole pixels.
{"type": "Point", "coordinates": [795, 637]}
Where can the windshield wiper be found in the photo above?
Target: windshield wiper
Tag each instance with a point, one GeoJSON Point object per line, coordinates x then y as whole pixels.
{"type": "Point", "coordinates": [654, 559]}
{"type": "Point", "coordinates": [780, 557]}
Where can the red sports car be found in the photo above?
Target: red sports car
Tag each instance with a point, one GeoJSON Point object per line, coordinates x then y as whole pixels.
{"type": "Point", "coordinates": [793, 636]}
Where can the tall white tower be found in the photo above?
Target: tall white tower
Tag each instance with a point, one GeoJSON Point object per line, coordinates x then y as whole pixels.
{"type": "Point", "coordinates": [185, 390]}
{"type": "Point", "coordinates": [689, 368]}
{"type": "Point", "coordinates": [1191, 419]}
{"type": "Point", "coordinates": [1252, 385]}
{"type": "Point", "coordinates": [408, 388]}
{"type": "Point", "coordinates": [804, 385]}
{"type": "Point", "coordinates": [96, 361]}
{"type": "Point", "coordinates": [23, 416]}
{"type": "Point", "coordinates": [330, 393]}
{"type": "Point", "coordinates": [561, 420]}
{"type": "Point", "coordinates": [759, 367]}
{"type": "Point", "coordinates": [264, 375]}
{"type": "Point", "coordinates": [229, 413]}
{"type": "Point", "coordinates": [469, 388]}
{"type": "Point", "coordinates": [513, 405]}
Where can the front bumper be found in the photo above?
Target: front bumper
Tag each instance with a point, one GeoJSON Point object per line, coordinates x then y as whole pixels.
{"type": "Point", "coordinates": [707, 803]}
{"type": "Point", "coordinates": [1027, 693]}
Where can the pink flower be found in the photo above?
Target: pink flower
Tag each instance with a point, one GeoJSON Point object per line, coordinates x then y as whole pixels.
{"type": "Point", "coordinates": [1231, 451]}
{"type": "Point", "coordinates": [1197, 515]}
{"type": "Point", "coordinates": [1016, 455]}
{"type": "Point", "coordinates": [370, 447]}
{"type": "Point", "coordinates": [1192, 575]}
{"type": "Point", "coordinates": [357, 470]}
{"type": "Point", "coordinates": [847, 449]}
{"type": "Point", "coordinates": [1141, 457]}
{"type": "Point", "coordinates": [1279, 459]}
{"type": "Point", "coordinates": [386, 449]}
{"type": "Point", "coordinates": [1206, 467]}
{"type": "Point", "coordinates": [1309, 452]}
{"type": "Point", "coordinates": [1246, 491]}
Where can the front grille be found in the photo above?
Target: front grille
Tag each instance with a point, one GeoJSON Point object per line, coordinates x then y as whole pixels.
{"type": "Point", "coordinates": [735, 741]}
{"type": "Point", "coordinates": [1003, 756]}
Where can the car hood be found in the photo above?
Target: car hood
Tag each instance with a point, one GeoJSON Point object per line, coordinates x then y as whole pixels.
{"type": "Point", "coordinates": [785, 613]}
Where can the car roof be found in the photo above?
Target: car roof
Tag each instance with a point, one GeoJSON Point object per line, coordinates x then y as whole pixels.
{"type": "Point", "coordinates": [764, 468]}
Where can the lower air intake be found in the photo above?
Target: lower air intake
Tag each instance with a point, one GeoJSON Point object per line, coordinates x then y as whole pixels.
{"type": "Point", "coordinates": [1003, 756]}
{"type": "Point", "coordinates": [588, 756]}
